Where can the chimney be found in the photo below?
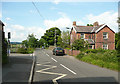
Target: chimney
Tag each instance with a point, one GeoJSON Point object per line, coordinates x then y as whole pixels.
{"type": "Point", "coordinates": [95, 24]}
{"type": "Point", "coordinates": [74, 23]}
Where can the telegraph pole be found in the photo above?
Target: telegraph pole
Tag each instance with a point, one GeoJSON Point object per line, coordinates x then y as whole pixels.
{"type": "Point", "coordinates": [55, 38]}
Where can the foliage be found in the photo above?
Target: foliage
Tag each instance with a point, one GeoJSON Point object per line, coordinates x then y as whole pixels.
{"type": "Point", "coordinates": [100, 57]}
{"type": "Point", "coordinates": [25, 43]}
{"type": "Point", "coordinates": [25, 50]}
{"type": "Point", "coordinates": [32, 41]}
{"type": "Point", "coordinates": [42, 42]}
{"type": "Point", "coordinates": [79, 44]}
{"type": "Point", "coordinates": [118, 45]}
{"type": "Point", "coordinates": [89, 25]}
{"type": "Point", "coordinates": [22, 50]}
{"type": "Point", "coordinates": [50, 36]}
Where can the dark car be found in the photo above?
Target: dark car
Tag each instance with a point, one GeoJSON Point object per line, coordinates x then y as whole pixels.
{"type": "Point", "coordinates": [58, 51]}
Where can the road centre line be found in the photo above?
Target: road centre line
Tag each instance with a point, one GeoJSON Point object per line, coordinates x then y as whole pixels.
{"type": "Point", "coordinates": [53, 59]}
{"type": "Point", "coordinates": [68, 69]}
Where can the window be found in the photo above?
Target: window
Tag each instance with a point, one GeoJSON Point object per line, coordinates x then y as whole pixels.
{"type": "Point", "coordinates": [105, 46]}
{"type": "Point", "coordinates": [90, 46]}
{"type": "Point", "coordinates": [82, 36]}
{"type": "Point", "coordinates": [105, 35]}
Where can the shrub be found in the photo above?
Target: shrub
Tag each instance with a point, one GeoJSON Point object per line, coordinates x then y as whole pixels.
{"type": "Point", "coordinates": [30, 50]}
{"type": "Point", "coordinates": [22, 50]}
{"type": "Point", "coordinates": [100, 57]}
{"type": "Point", "coordinates": [80, 55]}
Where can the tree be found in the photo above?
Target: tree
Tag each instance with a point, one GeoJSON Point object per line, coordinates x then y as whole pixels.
{"type": "Point", "coordinates": [42, 42]}
{"type": "Point", "coordinates": [32, 41]}
{"type": "Point", "coordinates": [65, 39]}
{"type": "Point", "coordinates": [25, 43]}
{"type": "Point", "coordinates": [50, 36]}
{"type": "Point", "coordinates": [118, 21]}
{"type": "Point", "coordinates": [79, 44]}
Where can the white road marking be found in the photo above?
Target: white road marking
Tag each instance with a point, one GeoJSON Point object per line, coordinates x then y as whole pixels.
{"type": "Point", "coordinates": [47, 55]}
{"type": "Point", "coordinates": [53, 59]}
{"type": "Point", "coordinates": [67, 69]}
{"type": "Point", "coordinates": [52, 73]}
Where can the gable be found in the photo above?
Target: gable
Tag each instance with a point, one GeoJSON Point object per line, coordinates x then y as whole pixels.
{"type": "Point", "coordinates": [102, 27]}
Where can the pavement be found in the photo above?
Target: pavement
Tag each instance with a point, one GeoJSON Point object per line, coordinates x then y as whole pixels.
{"type": "Point", "coordinates": [18, 69]}
{"type": "Point", "coordinates": [51, 69]}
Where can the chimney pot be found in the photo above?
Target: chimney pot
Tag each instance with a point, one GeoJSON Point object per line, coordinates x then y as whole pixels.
{"type": "Point", "coordinates": [74, 23]}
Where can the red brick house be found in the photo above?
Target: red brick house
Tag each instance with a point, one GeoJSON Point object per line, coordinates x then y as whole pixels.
{"type": "Point", "coordinates": [98, 36]}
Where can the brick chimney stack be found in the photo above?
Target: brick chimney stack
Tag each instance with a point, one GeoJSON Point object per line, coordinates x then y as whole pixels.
{"type": "Point", "coordinates": [95, 24]}
{"type": "Point", "coordinates": [74, 23]}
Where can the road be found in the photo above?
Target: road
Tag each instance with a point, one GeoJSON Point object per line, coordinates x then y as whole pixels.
{"type": "Point", "coordinates": [53, 69]}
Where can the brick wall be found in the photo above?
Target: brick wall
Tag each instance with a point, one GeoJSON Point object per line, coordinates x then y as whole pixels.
{"type": "Point", "coordinates": [72, 52]}
{"type": "Point", "coordinates": [110, 41]}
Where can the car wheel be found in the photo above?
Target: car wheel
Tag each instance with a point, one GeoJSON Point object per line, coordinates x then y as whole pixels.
{"type": "Point", "coordinates": [53, 53]}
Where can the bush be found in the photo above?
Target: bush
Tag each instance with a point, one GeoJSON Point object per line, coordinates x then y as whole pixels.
{"type": "Point", "coordinates": [22, 50]}
{"type": "Point", "coordinates": [30, 50]}
{"type": "Point", "coordinates": [100, 57]}
{"type": "Point", "coordinates": [25, 50]}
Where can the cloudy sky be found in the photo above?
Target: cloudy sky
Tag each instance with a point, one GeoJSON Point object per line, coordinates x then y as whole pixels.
{"type": "Point", "coordinates": [22, 18]}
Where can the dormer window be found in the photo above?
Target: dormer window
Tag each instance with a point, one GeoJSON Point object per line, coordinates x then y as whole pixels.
{"type": "Point", "coordinates": [105, 35]}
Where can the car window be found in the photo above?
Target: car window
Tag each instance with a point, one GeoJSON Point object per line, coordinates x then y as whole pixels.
{"type": "Point", "coordinates": [59, 49]}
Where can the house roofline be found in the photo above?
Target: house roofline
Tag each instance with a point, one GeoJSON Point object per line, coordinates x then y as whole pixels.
{"type": "Point", "coordinates": [102, 28]}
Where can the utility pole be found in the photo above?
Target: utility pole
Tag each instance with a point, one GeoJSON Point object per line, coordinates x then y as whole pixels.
{"type": "Point", "coordinates": [55, 38]}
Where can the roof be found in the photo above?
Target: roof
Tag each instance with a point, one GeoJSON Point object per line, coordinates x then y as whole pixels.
{"type": "Point", "coordinates": [1, 22]}
{"type": "Point", "coordinates": [87, 29]}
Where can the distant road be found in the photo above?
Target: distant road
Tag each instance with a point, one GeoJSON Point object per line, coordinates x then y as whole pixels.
{"type": "Point", "coordinates": [62, 69]}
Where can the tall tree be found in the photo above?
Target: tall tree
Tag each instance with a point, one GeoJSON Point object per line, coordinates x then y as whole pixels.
{"type": "Point", "coordinates": [32, 41]}
{"type": "Point", "coordinates": [65, 39]}
{"type": "Point", "coordinates": [52, 34]}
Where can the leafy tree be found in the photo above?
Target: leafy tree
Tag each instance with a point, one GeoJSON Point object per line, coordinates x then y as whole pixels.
{"type": "Point", "coordinates": [89, 25]}
{"type": "Point", "coordinates": [25, 43]}
{"type": "Point", "coordinates": [65, 39]}
{"type": "Point", "coordinates": [79, 44]}
{"type": "Point", "coordinates": [32, 41]}
{"type": "Point", "coordinates": [50, 36]}
{"type": "Point", "coordinates": [59, 43]}
{"type": "Point", "coordinates": [42, 42]}
{"type": "Point", "coordinates": [118, 21]}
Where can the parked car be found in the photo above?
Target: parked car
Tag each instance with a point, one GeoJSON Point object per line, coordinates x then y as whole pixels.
{"type": "Point", "coordinates": [58, 51]}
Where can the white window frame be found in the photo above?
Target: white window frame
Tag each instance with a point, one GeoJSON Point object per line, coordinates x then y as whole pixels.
{"type": "Point", "coordinates": [106, 46]}
{"type": "Point", "coordinates": [106, 35]}
{"type": "Point", "coordinates": [83, 35]}
{"type": "Point", "coordinates": [92, 47]}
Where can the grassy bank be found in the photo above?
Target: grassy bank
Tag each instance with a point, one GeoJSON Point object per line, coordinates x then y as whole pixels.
{"type": "Point", "coordinates": [100, 57]}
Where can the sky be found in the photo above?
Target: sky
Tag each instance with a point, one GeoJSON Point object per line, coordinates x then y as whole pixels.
{"type": "Point", "coordinates": [22, 18]}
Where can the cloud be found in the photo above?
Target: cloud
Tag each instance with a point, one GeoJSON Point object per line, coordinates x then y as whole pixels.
{"type": "Point", "coordinates": [18, 27]}
{"type": "Point", "coordinates": [8, 18]}
{"type": "Point", "coordinates": [61, 22]}
{"type": "Point", "coordinates": [109, 18]}
{"type": "Point", "coordinates": [56, 1]}
{"type": "Point", "coordinates": [0, 15]}
{"type": "Point", "coordinates": [38, 31]}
